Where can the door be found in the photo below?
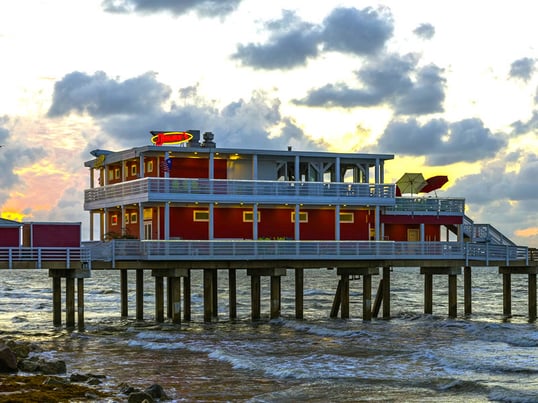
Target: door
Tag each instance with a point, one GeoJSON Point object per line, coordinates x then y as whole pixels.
{"type": "Point", "coordinates": [147, 230]}
{"type": "Point", "coordinates": [413, 235]}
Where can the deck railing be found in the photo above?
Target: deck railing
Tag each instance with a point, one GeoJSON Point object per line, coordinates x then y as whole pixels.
{"type": "Point", "coordinates": [309, 250]}
{"type": "Point", "coordinates": [427, 205]}
{"type": "Point", "coordinates": [38, 258]}
{"type": "Point", "coordinates": [170, 189]}
{"type": "Point", "coordinates": [136, 250]}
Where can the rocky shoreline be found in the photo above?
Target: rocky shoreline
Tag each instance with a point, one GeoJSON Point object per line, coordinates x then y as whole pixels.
{"type": "Point", "coordinates": [26, 377]}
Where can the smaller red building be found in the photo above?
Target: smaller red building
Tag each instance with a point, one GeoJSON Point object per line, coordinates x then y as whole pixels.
{"type": "Point", "coordinates": [51, 234]}
{"type": "Point", "coordinates": [10, 233]}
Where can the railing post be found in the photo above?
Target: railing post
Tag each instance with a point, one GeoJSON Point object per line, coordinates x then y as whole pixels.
{"type": "Point", "coordinates": [10, 258]}
{"type": "Point", "coordinates": [68, 258]}
{"type": "Point", "coordinates": [113, 252]}
{"type": "Point", "coordinates": [39, 258]}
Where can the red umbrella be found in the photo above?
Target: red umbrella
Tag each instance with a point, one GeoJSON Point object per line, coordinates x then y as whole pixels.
{"type": "Point", "coordinates": [434, 183]}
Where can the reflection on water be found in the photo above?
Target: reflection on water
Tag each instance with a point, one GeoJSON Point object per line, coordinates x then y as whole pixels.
{"type": "Point", "coordinates": [412, 357]}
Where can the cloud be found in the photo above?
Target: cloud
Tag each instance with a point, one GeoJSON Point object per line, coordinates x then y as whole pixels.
{"type": "Point", "coordinates": [520, 127]}
{"type": "Point", "coordinates": [290, 44]}
{"type": "Point", "coordinates": [293, 41]}
{"type": "Point", "coordinates": [523, 69]}
{"type": "Point", "coordinates": [359, 32]}
{"type": "Point", "coordinates": [386, 81]}
{"type": "Point", "coordinates": [99, 96]}
{"type": "Point", "coordinates": [204, 8]}
{"type": "Point", "coordinates": [424, 31]}
{"type": "Point", "coordinates": [440, 142]}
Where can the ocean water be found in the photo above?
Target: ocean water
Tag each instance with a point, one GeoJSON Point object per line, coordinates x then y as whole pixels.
{"type": "Point", "coordinates": [410, 358]}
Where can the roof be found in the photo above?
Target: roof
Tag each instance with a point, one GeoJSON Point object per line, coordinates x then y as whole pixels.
{"type": "Point", "coordinates": [9, 223]}
{"type": "Point", "coordinates": [112, 157]}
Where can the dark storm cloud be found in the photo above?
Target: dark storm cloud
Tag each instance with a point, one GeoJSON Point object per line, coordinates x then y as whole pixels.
{"type": "Point", "coordinates": [386, 81]}
{"type": "Point", "coordinates": [290, 44]}
{"type": "Point", "coordinates": [99, 95]}
{"type": "Point", "coordinates": [528, 126]}
{"type": "Point", "coordinates": [360, 32]}
{"type": "Point", "coordinates": [425, 31]}
{"type": "Point", "coordinates": [440, 142]}
{"type": "Point", "coordinates": [523, 68]}
{"type": "Point", "coordinates": [204, 8]}
{"type": "Point", "coordinates": [292, 41]}
{"type": "Point", "coordinates": [14, 155]}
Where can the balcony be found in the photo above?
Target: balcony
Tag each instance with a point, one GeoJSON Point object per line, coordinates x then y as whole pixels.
{"type": "Point", "coordinates": [427, 206]}
{"type": "Point", "coordinates": [238, 191]}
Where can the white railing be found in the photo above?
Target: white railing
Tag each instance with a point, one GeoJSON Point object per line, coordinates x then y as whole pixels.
{"type": "Point", "coordinates": [166, 189]}
{"type": "Point", "coordinates": [427, 205]}
{"type": "Point", "coordinates": [484, 233]}
{"type": "Point", "coordinates": [38, 257]}
{"type": "Point", "coordinates": [311, 250]}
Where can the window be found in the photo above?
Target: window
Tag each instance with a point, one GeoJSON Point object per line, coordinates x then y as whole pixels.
{"type": "Point", "coordinates": [148, 214]}
{"type": "Point", "coordinates": [114, 219]}
{"type": "Point", "coordinates": [133, 170]}
{"type": "Point", "coordinates": [126, 218]}
{"type": "Point", "coordinates": [248, 216]}
{"type": "Point", "coordinates": [303, 216]}
{"type": "Point", "coordinates": [201, 215]}
{"type": "Point", "coordinates": [117, 173]}
{"type": "Point", "coordinates": [149, 167]}
{"type": "Point", "coordinates": [134, 218]}
{"type": "Point", "coordinates": [347, 218]}
{"type": "Point", "coordinates": [110, 174]}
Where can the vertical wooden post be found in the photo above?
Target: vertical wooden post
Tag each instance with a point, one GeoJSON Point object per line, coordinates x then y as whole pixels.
{"type": "Point", "coordinates": [386, 293]}
{"type": "Point", "coordinates": [255, 294]}
{"type": "Point", "coordinates": [467, 290]}
{"type": "Point", "coordinates": [169, 297]}
{"type": "Point", "coordinates": [378, 299]}
{"type": "Point", "coordinates": [208, 295]}
{"type": "Point", "coordinates": [232, 293]}
{"type": "Point", "coordinates": [337, 300]}
{"type": "Point", "coordinates": [532, 297]}
{"type": "Point", "coordinates": [275, 297]}
{"type": "Point", "coordinates": [124, 290]}
{"type": "Point", "coordinates": [176, 299]}
{"type": "Point", "coordinates": [139, 294]}
{"type": "Point", "coordinates": [428, 293]}
{"type": "Point", "coordinates": [215, 296]}
{"type": "Point", "coordinates": [367, 297]}
{"type": "Point", "coordinates": [507, 295]}
{"type": "Point", "coordinates": [57, 301]}
{"type": "Point", "coordinates": [70, 302]}
{"type": "Point", "coordinates": [345, 296]}
{"type": "Point", "coordinates": [452, 295]}
{"type": "Point", "coordinates": [80, 304]}
{"type": "Point", "coordinates": [159, 299]}
{"type": "Point", "coordinates": [299, 293]}
{"type": "Point", "coordinates": [187, 297]}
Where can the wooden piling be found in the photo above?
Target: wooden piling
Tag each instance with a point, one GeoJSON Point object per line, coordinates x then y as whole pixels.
{"type": "Point", "coordinates": [507, 295]}
{"type": "Point", "coordinates": [80, 304]}
{"type": "Point", "coordinates": [215, 296]}
{"type": "Point", "coordinates": [428, 293]}
{"type": "Point", "coordinates": [124, 290]}
{"type": "Point", "coordinates": [187, 297]}
{"type": "Point", "coordinates": [232, 293]}
{"type": "Point", "coordinates": [452, 295]}
{"type": "Point", "coordinates": [168, 297]}
{"type": "Point", "coordinates": [452, 272]}
{"type": "Point", "coordinates": [275, 297]}
{"type": "Point", "coordinates": [57, 301]}
{"type": "Point", "coordinates": [507, 272]}
{"type": "Point", "coordinates": [467, 290]}
{"type": "Point", "coordinates": [386, 292]}
{"type": "Point", "coordinates": [208, 295]}
{"type": "Point", "coordinates": [255, 296]}
{"type": "Point", "coordinates": [139, 294]}
{"type": "Point", "coordinates": [367, 297]}
{"type": "Point", "coordinates": [532, 296]}
{"type": "Point", "coordinates": [378, 299]}
{"type": "Point", "coordinates": [345, 296]}
{"type": "Point", "coordinates": [299, 293]}
{"type": "Point", "coordinates": [337, 300]}
{"type": "Point", "coordinates": [159, 299]}
{"type": "Point", "coordinates": [70, 302]}
{"type": "Point", "coordinates": [176, 299]}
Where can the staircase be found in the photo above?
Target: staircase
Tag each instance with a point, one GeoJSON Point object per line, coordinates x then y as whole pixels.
{"type": "Point", "coordinates": [481, 233]}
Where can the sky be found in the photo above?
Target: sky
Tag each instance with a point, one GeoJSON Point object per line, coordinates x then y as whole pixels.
{"type": "Point", "coordinates": [449, 88]}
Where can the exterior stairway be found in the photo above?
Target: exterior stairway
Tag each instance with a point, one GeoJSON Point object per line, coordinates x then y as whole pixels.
{"type": "Point", "coordinates": [482, 233]}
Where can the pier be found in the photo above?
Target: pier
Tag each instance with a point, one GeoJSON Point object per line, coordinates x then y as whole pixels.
{"type": "Point", "coordinates": [171, 264]}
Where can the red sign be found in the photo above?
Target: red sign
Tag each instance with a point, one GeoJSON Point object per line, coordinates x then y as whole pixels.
{"type": "Point", "coordinates": [160, 138]}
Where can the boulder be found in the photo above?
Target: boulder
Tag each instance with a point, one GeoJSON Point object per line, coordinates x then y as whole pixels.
{"type": "Point", "coordinates": [157, 392]}
{"type": "Point", "coordinates": [140, 397]}
{"type": "Point", "coordinates": [8, 360]}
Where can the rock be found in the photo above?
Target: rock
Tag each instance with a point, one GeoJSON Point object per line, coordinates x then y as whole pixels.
{"type": "Point", "coordinates": [54, 380]}
{"type": "Point", "coordinates": [125, 389]}
{"type": "Point", "coordinates": [8, 359]}
{"type": "Point", "coordinates": [45, 367]}
{"type": "Point", "coordinates": [157, 392]}
{"type": "Point", "coordinates": [94, 381]}
{"type": "Point", "coordinates": [79, 378]}
{"type": "Point", "coordinates": [140, 397]}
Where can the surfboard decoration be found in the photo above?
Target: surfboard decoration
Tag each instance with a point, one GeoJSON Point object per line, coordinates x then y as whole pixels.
{"type": "Point", "coordinates": [159, 138]}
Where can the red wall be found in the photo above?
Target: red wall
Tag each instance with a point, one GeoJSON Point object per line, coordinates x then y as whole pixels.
{"type": "Point", "coordinates": [53, 234]}
{"type": "Point", "coordinates": [196, 168]}
{"type": "Point", "coordinates": [398, 232]}
{"type": "Point", "coordinates": [9, 237]}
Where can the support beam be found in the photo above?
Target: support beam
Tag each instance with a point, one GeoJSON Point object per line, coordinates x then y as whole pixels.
{"type": "Point", "coordinates": [187, 297]}
{"type": "Point", "coordinates": [57, 301]}
{"type": "Point", "coordinates": [367, 297]}
{"type": "Point", "coordinates": [452, 295]}
{"type": "Point", "coordinates": [507, 295]}
{"type": "Point", "coordinates": [467, 290]}
{"type": "Point", "coordinates": [124, 290]}
{"type": "Point", "coordinates": [208, 295]}
{"type": "Point", "coordinates": [159, 299]}
{"type": "Point", "coordinates": [255, 296]}
{"type": "Point", "coordinates": [232, 293]}
{"type": "Point", "coordinates": [428, 293]}
{"type": "Point", "coordinates": [70, 302]}
{"type": "Point", "coordinates": [139, 294]}
{"type": "Point", "coordinates": [337, 300]}
{"type": "Point", "coordinates": [176, 299]}
{"type": "Point", "coordinates": [532, 297]}
{"type": "Point", "coordinates": [378, 299]}
{"type": "Point", "coordinates": [275, 297]}
{"type": "Point", "coordinates": [80, 304]}
{"type": "Point", "coordinates": [345, 296]}
{"type": "Point", "coordinates": [386, 292]}
{"type": "Point", "coordinates": [299, 293]}
{"type": "Point", "coordinates": [215, 296]}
